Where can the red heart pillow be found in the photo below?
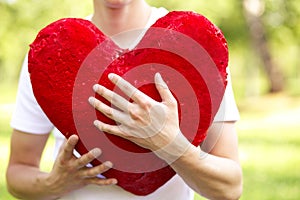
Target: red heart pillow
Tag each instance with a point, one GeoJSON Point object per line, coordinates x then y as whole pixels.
{"type": "Point", "coordinates": [70, 55]}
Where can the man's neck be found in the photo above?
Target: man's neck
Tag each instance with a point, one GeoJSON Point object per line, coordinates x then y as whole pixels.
{"type": "Point", "coordinates": [112, 21]}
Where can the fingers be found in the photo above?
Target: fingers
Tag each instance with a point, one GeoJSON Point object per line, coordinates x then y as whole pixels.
{"type": "Point", "coordinates": [67, 151]}
{"type": "Point", "coordinates": [94, 171]}
{"type": "Point", "coordinates": [163, 89]}
{"type": "Point", "coordinates": [102, 182]}
{"type": "Point", "coordinates": [115, 130]}
{"type": "Point", "coordinates": [112, 97]}
{"type": "Point", "coordinates": [71, 172]}
{"type": "Point", "coordinates": [108, 111]}
{"type": "Point", "coordinates": [90, 174]}
{"type": "Point", "coordinates": [128, 89]}
{"type": "Point", "coordinates": [87, 158]}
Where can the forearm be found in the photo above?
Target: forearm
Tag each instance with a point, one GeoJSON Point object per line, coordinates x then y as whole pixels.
{"type": "Point", "coordinates": [28, 182]}
{"type": "Point", "coordinates": [211, 176]}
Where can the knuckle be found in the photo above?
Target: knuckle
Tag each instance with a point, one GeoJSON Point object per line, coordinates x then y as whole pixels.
{"type": "Point", "coordinates": [66, 150]}
{"type": "Point", "coordinates": [109, 112]}
{"type": "Point", "coordinates": [100, 90]}
{"type": "Point", "coordinates": [104, 127]}
{"type": "Point", "coordinates": [103, 167]}
{"type": "Point", "coordinates": [132, 111]}
{"type": "Point", "coordinates": [145, 104]}
{"type": "Point", "coordinates": [134, 115]}
{"type": "Point", "coordinates": [172, 102]}
{"type": "Point", "coordinates": [62, 162]}
{"type": "Point", "coordinates": [90, 156]}
{"type": "Point", "coordinates": [97, 104]}
{"type": "Point", "coordinates": [106, 94]}
{"type": "Point", "coordinates": [132, 92]}
{"type": "Point", "coordinates": [90, 173]}
{"type": "Point", "coordinates": [124, 86]}
{"type": "Point", "coordinates": [81, 162]}
{"type": "Point", "coordinates": [104, 182]}
{"type": "Point", "coordinates": [107, 182]}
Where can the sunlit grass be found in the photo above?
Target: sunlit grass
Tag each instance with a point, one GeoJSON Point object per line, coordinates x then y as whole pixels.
{"type": "Point", "coordinates": [270, 147]}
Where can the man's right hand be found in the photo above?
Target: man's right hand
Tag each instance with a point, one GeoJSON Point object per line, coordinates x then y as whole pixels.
{"type": "Point", "coordinates": [70, 173]}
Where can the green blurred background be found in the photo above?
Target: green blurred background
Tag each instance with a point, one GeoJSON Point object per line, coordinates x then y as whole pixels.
{"type": "Point", "coordinates": [264, 44]}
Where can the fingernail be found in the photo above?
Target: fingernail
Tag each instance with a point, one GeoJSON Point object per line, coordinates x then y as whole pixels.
{"type": "Point", "coordinates": [110, 76]}
{"type": "Point", "coordinates": [96, 152]}
{"type": "Point", "coordinates": [74, 136]}
{"type": "Point", "coordinates": [73, 139]}
{"type": "Point", "coordinates": [108, 164]}
{"type": "Point", "coordinates": [158, 75]}
{"type": "Point", "coordinates": [91, 100]}
{"type": "Point", "coordinates": [160, 80]}
{"type": "Point", "coordinates": [114, 182]}
{"type": "Point", "coordinates": [95, 87]}
{"type": "Point", "coordinates": [96, 123]}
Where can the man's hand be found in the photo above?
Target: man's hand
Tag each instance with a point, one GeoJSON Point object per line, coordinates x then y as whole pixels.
{"type": "Point", "coordinates": [146, 122]}
{"type": "Point", "coordinates": [70, 173]}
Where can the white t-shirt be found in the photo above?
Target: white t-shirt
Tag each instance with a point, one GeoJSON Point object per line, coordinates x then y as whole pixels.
{"type": "Point", "coordinates": [29, 117]}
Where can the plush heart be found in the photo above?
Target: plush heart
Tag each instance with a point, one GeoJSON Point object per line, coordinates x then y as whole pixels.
{"type": "Point", "coordinates": [70, 55]}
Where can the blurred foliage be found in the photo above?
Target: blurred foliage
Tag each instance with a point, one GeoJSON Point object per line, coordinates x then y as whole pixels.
{"type": "Point", "coordinates": [20, 21]}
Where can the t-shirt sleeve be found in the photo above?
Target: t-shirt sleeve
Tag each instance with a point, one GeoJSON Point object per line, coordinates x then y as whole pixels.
{"type": "Point", "coordinates": [28, 115]}
{"type": "Point", "coordinates": [228, 110]}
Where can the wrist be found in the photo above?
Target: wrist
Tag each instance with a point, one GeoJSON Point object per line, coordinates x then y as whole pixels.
{"type": "Point", "coordinates": [190, 156]}
{"type": "Point", "coordinates": [48, 187]}
{"type": "Point", "coordinates": [174, 149]}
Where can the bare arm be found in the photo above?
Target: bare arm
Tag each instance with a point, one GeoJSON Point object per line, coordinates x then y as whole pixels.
{"type": "Point", "coordinates": [26, 181]}
{"type": "Point", "coordinates": [23, 174]}
{"type": "Point", "coordinates": [216, 174]}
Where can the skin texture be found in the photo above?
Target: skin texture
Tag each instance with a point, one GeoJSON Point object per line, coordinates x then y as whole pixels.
{"type": "Point", "coordinates": [115, 4]}
{"type": "Point", "coordinates": [212, 170]}
{"type": "Point", "coordinates": [123, 16]}
{"type": "Point", "coordinates": [202, 171]}
{"type": "Point", "coordinates": [68, 173]}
